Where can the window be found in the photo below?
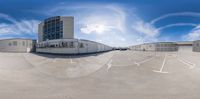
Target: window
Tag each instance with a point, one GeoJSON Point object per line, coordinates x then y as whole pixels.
{"type": "Point", "coordinates": [23, 43]}
{"type": "Point", "coordinates": [197, 44]}
{"type": "Point", "coordinates": [64, 44]}
{"type": "Point", "coordinates": [10, 44]}
{"type": "Point", "coordinates": [81, 45]}
{"type": "Point", "coordinates": [71, 45]}
{"type": "Point", "coordinates": [30, 44]}
{"type": "Point", "coordinates": [15, 43]}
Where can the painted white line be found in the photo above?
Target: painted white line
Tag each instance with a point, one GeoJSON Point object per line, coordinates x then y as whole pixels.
{"type": "Point", "coordinates": [186, 62]}
{"type": "Point", "coordinates": [161, 69]}
{"type": "Point", "coordinates": [146, 60]}
{"type": "Point", "coordinates": [45, 61]}
{"type": "Point", "coordinates": [71, 60]}
{"type": "Point", "coordinates": [136, 63]}
{"type": "Point", "coordinates": [109, 65]}
{"type": "Point", "coordinates": [54, 60]}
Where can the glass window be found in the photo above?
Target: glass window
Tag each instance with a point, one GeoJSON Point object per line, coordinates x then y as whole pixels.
{"type": "Point", "coordinates": [15, 43]}
{"type": "Point", "coordinates": [10, 44]}
{"type": "Point", "coordinates": [81, 45]}
{"type": "Point", "coordinates": [23, 43]}
{"type": "Point", "coordinates": [71, 45]}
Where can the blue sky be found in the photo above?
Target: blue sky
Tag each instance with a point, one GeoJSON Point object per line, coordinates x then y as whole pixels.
{"type": "Point", "coordinates": [113, 22]}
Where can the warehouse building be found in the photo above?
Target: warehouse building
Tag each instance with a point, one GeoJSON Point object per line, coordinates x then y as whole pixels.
{"type": "Point", "coordinates": [158, 46]}
{"type": "Point", "coordinates": [185, 46]}
{"type": "Point", "coordinates": [56, 35]}
{"type": "Point", "coordinates": [71, 46]}
{"type": "Point", "coordinates": [166, 46]}
{"type": "Point", "coordinates": [18, 45]}
{"type": "Point", "coordinates": [196, 46]}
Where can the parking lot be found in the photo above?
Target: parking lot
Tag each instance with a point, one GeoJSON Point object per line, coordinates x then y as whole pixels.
{"type": "Point", "coordinates": [109, 75]}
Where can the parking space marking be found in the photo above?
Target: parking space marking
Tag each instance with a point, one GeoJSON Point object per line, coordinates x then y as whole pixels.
{"type": "Point", "coordinates": [146, 60]}
{"type": "Point", "coordinates": [186, 62]}
{"type": "Point", "coordinates": [109, 64]}
{"type": "Point", "coordinates": [54, 60]}
{"type": "Point", "coordinates": [71, 60]}
{"type": "Point", "coordinates": [161, 69]}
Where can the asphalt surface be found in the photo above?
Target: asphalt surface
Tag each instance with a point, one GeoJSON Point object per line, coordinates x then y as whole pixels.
{"type": "Point", "coordinates": [110, 75]}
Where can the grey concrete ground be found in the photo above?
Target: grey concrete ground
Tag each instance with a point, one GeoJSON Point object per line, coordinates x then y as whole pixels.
{"type": "Point", "coordinates": [111, 75]}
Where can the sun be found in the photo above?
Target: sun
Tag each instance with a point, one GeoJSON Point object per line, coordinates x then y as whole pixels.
{"type": "Point", "coordinates": [100, 28]}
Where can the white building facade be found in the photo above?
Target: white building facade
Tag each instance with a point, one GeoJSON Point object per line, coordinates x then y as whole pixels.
{"type": "Point", "coordinates": [17, 45]}
{"type": "Point", "coordinates": [158, 46]}
{"type": "Point", "coordinates": [196, 46]}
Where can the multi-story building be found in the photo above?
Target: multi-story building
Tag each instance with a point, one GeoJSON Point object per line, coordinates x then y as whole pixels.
{"type": "Point", "coordinates": [56, 28]}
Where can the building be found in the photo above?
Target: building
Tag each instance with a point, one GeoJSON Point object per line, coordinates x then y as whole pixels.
{"type": "Point", "coordinates": [158, 46]}
{"type": "Point", "coordinates": [56, 35]}
{"type": "Point", "coordinates": [166, 46]}
{"type": "Point", "coordinates": [196, 46]}
{"type": "Point", "coordinates": [185, 46]}
{"type": "Point", "coordinates": [56, 28]}
{"type": "Point", "coordinates": [18, 45]}
{"type": "Point", "coordinates": [71, 46]}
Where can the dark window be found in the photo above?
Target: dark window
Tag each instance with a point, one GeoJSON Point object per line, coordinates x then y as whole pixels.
{"type": "Point", "coordinates": [52, 28]}
{"type": "Point", "coordinates": [81, 45]}
{"type": "Point", "coordinates": [10, 44]}
{"type": "Point", "coordinates": [23, 43]}
{"type": "Point", "coordinates": [15, 43]}
{"type": "Point", "coordinates": [71, 45]}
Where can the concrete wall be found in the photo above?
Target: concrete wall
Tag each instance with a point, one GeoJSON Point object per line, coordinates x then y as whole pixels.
{"type": "Point", "coordinates": [159, 46]}
{"type": "Point", "coordinates": [166, 46]}
{"type": "Point", "coordinates": [62, 46]}
{"type": "Point", "coordinates": [196, 46]}
{"type": "Point", "coordinates": [40, 32]}
{"type": "Point", "coordinates": [17, 45]}
{"type": "Point", "coordinates": [68, 27]}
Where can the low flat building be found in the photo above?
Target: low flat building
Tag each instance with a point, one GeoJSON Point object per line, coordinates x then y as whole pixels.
{"type": "Point", "coordinates": [158, 46]}
{"type": "Point", "coordinates": [185, 46]}
{"type": "Point", "coordinates": [196, 46]}
{"type": "Point", "coordinates": [18, 45]}
{"type": "Point", "coordinates": [166, 46]}
{"type": "Point", "coordinates": [71, 46]}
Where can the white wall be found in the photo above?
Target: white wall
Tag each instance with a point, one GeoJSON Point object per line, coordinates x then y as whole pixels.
{"type": "Point", "coordinates": [23, 45]}
{"type": "Point", "coordinates": [89, 47]}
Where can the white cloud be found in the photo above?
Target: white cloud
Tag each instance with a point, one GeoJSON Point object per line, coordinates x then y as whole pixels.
{"type": "Point", "coordinates": [193, 35]}
{"type": "Point", "coordinates": [177, 24]}
{"type": "Point", "coordinates": [193, 14]}
{"type": "Point", "coordinates": [96, 28]}
{"type": "Point", "coordinates": [17, 28]}
{"type": "Point", "coordinates": [146, 29]}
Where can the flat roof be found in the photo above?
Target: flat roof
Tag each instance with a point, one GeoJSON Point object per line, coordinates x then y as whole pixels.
{"type": "Point", "coordinates": [184, 42]}
{"type": "Point", "coordinates": [16, 39]}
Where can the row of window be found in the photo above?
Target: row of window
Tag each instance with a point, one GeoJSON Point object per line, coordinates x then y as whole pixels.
{"type": "Point", "coordinates": [197, 44]}
{"type": "Point", "coordinates": [166, 45]}
{"type": "Point", "coordinates": [166, 49]}
{"type": "Point", "coordinates": [16, 43]}
{"type": "Point", "coordinates": [53, 29]}
{"type": "Point", "coordinates": [60, 45]}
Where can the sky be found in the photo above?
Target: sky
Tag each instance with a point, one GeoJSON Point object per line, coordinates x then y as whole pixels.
{"type": "Point", "coordinates": [112, 22]}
